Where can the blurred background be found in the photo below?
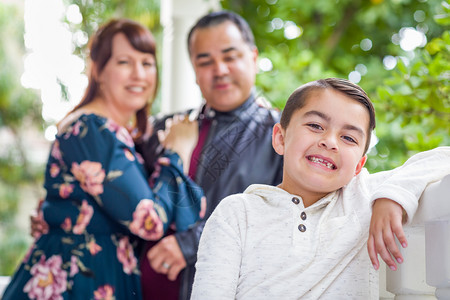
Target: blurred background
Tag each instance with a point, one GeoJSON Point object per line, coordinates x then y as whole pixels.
{"type": "Point", "coordinates": [397, 50]}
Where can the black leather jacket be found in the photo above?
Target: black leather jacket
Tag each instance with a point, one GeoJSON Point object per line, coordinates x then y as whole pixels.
{"type": "Point", "coordinates": [237, 152]}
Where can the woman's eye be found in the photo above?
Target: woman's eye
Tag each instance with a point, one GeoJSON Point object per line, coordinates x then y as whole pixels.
{"type": "Point", "coordinates": [148, 64]}
{"type": "Point", "coordinates": [123, 62]}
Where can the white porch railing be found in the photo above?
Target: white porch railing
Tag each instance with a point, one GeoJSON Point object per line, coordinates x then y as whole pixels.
{"type": "Point", "coordinates": [425, 274]}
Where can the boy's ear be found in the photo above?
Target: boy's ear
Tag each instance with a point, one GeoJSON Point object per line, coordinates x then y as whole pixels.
{"type": "Point", "coordinates": [278, 139]}
{"type": "Point", "coordinates": [360, 165]}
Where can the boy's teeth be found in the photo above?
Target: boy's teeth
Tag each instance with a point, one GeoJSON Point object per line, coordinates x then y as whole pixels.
{"type": "Point", "coordinates": [322, 162]}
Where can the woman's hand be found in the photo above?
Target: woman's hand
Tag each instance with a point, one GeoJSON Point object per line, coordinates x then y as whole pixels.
{"type": "Point", "coordinates": [180, 136]}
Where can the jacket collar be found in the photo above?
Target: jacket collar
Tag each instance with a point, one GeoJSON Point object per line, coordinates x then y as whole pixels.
{"type": "Point", "coordinates": [209, 113]}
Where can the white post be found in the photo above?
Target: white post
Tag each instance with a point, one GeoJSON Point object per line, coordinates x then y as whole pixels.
{"type": "Point", "coordinates": [408, 282]}
{"type": "Point", "coordinates": [428, 249]}
{"type": "Point", "coordinates": [178, 88]}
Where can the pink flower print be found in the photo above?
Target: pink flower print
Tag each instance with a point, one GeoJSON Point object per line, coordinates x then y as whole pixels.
{"type": "Point", "coordinates": [54, 170]}
{"type": "Point", "coordinates": [128, 154]}
{"type": "Point", "coordinates": [73, 266]}
{"type": "Point", "coordinates": [56, 152]}
{"type": "Point", "coordinates": [65, 190]}
{"type": "Point", "coordinates": [146, 222]}
{"type": "Point", "coordinates": [105, 292]}
{"type": "Point", "coordinates": [73, 130]}
{"type": "Point", "coordinates": [90, 175]}
{"type": "Point", "coordinates": [48, 280]}
{"type": "Point", "coordinates": [67, 224]}
{"type": "Point", "coordinates": [125, 255]}
{"type": "Point", "coordinates": [139, 158]}
{"type": "Point", "coordinates": [121, 133]}
{"type": "Point", "coordinates": [111, 125]}
{"type": "Point", "coordinates": [93, 247]}
{"type": "Point", "coordinates": [124, 136]}
{"type": "Point", "coordinates": [76, 128]}
{"type": "Point", "coordinates": [86, 212]}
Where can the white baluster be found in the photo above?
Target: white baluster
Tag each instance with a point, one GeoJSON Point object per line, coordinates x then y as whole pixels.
{"type": "Point", "coordinates": [425, 274]}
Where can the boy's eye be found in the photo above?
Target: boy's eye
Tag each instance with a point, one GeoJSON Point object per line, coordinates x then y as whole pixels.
{"type": "Point", "coordinates": [148, 64]}
{"type": "Point", "coordinates": [315, 126]}
{"type": "Point", "coordinates": [350, 139]}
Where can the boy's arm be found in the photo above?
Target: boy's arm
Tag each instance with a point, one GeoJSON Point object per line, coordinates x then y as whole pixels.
{"type": "Point", "coordinates": [219, 254]}
{"type": "Point", "coordinates": [404, 186]}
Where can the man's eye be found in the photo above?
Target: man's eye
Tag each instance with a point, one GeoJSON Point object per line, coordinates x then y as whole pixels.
{"type": "Point", "coordinates": [204, 63]}
{"type": "Point", "coordinates": [230, 58]}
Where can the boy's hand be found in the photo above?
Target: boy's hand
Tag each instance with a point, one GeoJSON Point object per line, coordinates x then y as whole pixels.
{"type": "Point", "coordinates": [385, 223]}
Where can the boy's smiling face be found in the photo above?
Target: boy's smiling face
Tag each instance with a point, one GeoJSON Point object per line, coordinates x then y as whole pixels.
{"type": "Point", "coordinates": [323, 145]}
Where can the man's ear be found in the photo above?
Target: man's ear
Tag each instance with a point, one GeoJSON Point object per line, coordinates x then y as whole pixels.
{"type": "Point", "coordinates": [278, 138]}
{"type": "Point", "coordinates": [360, 165]}
{"type": "Point", "coordinates": [255, 54]}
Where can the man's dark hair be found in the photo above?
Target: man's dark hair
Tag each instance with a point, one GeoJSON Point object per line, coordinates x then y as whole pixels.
{"type": "Point", "coordinates": [219, 17]}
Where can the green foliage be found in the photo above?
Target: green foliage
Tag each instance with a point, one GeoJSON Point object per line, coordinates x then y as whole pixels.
{"type": "Point", "coordinates": [339, 37]}
{"type": "Point", "coordinates": [18, 107]}
{"type": "Point", "coordinates": [14, 243]}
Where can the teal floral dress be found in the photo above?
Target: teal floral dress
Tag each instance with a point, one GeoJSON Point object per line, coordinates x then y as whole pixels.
{"type": "Point", "coordinates": [99, 208]}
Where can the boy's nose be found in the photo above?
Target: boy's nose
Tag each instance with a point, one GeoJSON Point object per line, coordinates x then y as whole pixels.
{"type": "Point", "coordinates": [328, 142]}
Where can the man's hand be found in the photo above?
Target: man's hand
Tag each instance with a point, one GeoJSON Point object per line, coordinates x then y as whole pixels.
{"type": "Point", "coordinates": [38, 224]}
{"type": "Point", "coordinates": [386, 222]}
{"type": "Point", "coordinates": [166, 257]}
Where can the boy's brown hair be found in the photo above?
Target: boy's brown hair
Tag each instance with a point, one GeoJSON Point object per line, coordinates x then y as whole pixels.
{"type": "Point", "coordinates": [298, 99]}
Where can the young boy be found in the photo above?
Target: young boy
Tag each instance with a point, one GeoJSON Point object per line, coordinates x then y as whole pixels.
{"type": "Point", "coordinates": [306, 237]}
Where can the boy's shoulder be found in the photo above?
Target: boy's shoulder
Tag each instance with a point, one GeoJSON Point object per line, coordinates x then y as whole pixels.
{"type": "Point", "coordinates": [256, 195]}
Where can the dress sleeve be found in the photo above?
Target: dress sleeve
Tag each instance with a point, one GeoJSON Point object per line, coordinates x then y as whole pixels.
{"type": "Point", "coordinates": [101, 164]}
{"type": "Point", "coordinates": [219, 255]}
{"type": "Point", "coordinates": [406, 184]}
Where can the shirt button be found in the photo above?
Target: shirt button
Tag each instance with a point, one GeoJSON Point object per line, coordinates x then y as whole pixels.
{"type": "Point", "coordinates": [295, 200]}
{"type": "Point", "coordinates": [303, 216]}
{"type": "Point", "coordinates": [302, 228]}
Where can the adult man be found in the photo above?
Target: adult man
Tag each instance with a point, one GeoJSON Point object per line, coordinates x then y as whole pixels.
{"type": "Point", "coordinates": [234, 148]}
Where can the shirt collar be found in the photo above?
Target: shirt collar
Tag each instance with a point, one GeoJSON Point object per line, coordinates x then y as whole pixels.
{"type": "Point", "coordinates": [210, 113]}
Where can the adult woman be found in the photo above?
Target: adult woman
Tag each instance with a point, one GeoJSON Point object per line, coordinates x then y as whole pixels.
{"type": "Point", "coordinates": [98, 199]}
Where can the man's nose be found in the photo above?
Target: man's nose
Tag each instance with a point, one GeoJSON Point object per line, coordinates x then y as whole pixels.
{"type": "Point", "coordinates": [221, 68]}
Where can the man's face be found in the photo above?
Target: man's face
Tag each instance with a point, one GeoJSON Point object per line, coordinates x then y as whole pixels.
{"type": "Point", "coordinates": [224, 65]}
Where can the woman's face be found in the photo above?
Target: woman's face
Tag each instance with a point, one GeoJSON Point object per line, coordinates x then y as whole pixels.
{"type": "Point", "coordinates": [128, 79]}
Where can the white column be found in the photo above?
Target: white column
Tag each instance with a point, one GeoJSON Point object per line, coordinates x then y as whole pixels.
{"type": "Point", "coordinates": [408, 282]}
{"type": "Point", "coordinates": [438, 256]}
{"type": "Point", "coordinates": [178, 88]}
{"type": "Point", "coordinates": [425, 274]}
